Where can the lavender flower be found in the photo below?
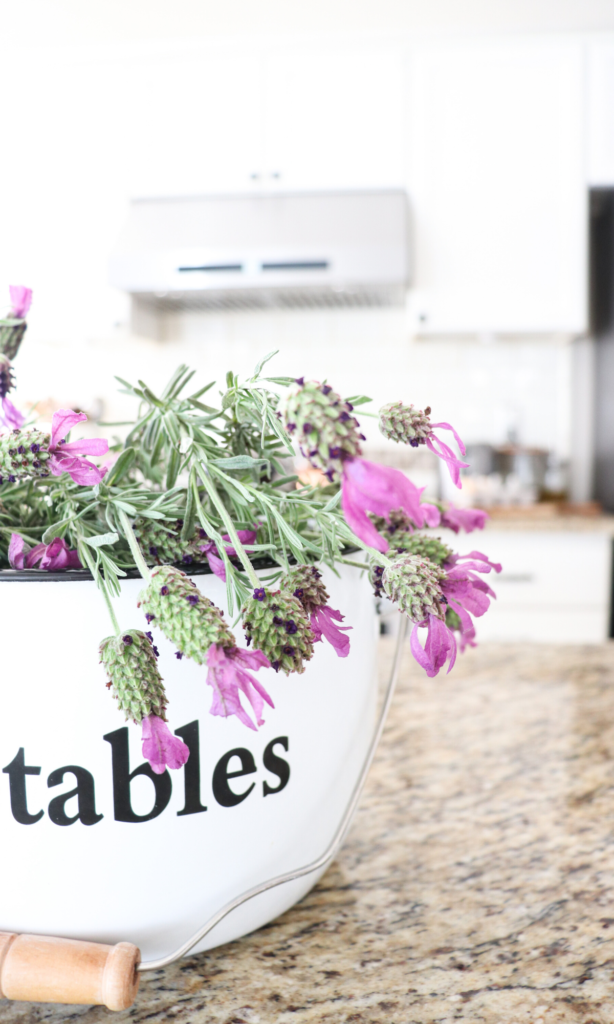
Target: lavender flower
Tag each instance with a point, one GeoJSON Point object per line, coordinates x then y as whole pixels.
{"type": "Point", "coordinates": [21, 300]}
{"type": "Point", "coordinates": [400, 422]}
{"type": "Point", "coordinates": [440, 645]}
{"type": "Point", "coordinates": [10, 416]}
{"type": "Point", "coordinates": [322, 625]}
{"type": "Point", "coordinates": [467, 519]}
{"type": "Point", "coordinates": [332, 444]}
{"type": "Point", "coordinates": [160, 747]}
{"type": "Point", "coordinates": [367, 487]}
{"type": "Point", "coordinates": [53, 557]}
{"type": "Point", "coordinates": [305, 583]}
{"type": "Point", "coordinates": [465, 595]}
{"type": "Point", "coordinates": [209, 549]}
{"type": "Point", "coordinates": [228, 677]}
{"type": "Point", "coordinates": [68, 458]}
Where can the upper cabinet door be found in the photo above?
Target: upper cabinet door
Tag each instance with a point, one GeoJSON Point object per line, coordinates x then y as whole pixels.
{"type": "Point", "coordinates": [190, 123]}
{"type": "Point", "coordinates": [497, 185]}
{"type": "Point", "coordinates": [601, 113]}
{"type": "Point", "coordinates": [335, 119]}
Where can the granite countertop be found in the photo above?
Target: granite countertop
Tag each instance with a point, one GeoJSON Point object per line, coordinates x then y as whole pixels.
{"type": "Point", "coordinates": [475, 885]}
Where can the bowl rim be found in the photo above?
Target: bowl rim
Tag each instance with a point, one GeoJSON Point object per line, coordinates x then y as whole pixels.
{"type": "Point", "coordinates": [85, 576]}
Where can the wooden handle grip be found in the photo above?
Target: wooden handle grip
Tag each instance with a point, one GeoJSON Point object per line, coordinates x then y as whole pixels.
{"type": "Point", "coordinates": [43, 969]}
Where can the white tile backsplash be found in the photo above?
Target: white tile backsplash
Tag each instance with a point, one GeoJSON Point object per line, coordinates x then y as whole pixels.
{"type": "Point", "coordinates": [483, 389]}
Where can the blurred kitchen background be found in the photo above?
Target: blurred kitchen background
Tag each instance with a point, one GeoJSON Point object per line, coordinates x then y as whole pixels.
{"type": "Point", "coordinates": [415, 199]}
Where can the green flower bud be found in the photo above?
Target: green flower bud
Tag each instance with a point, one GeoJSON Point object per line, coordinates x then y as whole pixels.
{"type": "Point", "coordinates": [423, 546]}
{"type": "Point", "coordinates": [400, 422]}
{"type": "Point", "coordinates": [134, 679]}
{"type": "Point", "coordinates": [24, 454]}
{"type": "Point", "coordinates": [398, 521]}
{"type": "Point", "coordinates": [276, 624]}
{"type": "Point", "coordinates": [305, 583]}
{"type": "Point", "coordinates": [161, 542]}
{"type": "Point", "coordinates": [186, 617]}
{"type": "Point", "coordinates": [412, 583]}
{"type": "Point", "coordinates": [11, 336]}
{"type": "Point", "coordinates": [323, 426]}
{"type": "Point", "coordinates": [375, 578]}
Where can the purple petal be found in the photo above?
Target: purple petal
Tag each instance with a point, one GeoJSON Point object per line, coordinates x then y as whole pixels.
{"type": "Point", "coordinates": [87, 446]}
{"type": "Point", "coordinates": [483, 558]}
{"type": "Point", "coordinates": [368, 487]}
{"type": "Point", "coordinates": [467, 595]}
{"type": "Point", "coordinates": [16, 553]}
{"type": "Point", "coordinates": [227, 677]}
{"type": "Point", "coordinates": [245, 536]}
{"type": "Point", "coordinates": [34, 556]}
{"type": "Point", "coordinates": [441, 449]}
{"type": "Point", "coordinates": [160, 747]}
{"type": "Point", "coordinates": [467, 519]}
{"type": "Point", "coordinates": [81, 471]}
{"type": "Point", "coordinates": [322, 624]}
{"type": "Point", "coordinates": [63, 421]}
{"type": "Point", "coordinates": [215, 563]}
{"type": "Point", "coordinates": [21, 300]}
{"type": "Point", "coordinates": [440, 645]}
{"type": "Point", "coordinates": [446, 426]}
{"type": "Point", "coordinates": [11, 416]}
{"type": "Point", "coordinates": [432, 515]}
{"type": "Point", "coordinates": [59, 556]}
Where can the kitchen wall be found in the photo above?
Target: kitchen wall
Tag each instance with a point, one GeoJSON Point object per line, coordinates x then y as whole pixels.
{"type": "Point", "coordinates": [79, 103]}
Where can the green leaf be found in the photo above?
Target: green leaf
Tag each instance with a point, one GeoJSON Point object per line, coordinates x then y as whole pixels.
{"type": "Point", "coordinates": [359, 399]}
{"type": "Point", "coordinates": [240, 462]}
{"type": "Point", "coordinates": [189, 518]}
{"type": "Point", "coordinates": [202, 391]}
{"type": "Point", "coordinates": [262, 363]}
{"type": "Point", "coordinates": [172, 469]}
{"type": "Point", "coordinates": [121, 467]}
{"type": "Point", "coordinates": [102, 538]}
{"type": "Point", "coordinates": [125, 506]}
{"type": "Point", "coordinates": [148, 513]}
{"type": "Point", "coordinates": [334, 501]}
{"type": "Point", "coordinates": [55, 530]}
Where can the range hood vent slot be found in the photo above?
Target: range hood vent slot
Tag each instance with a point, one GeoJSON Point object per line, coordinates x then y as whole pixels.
{"type": "Point", "coordinates": [308, 250]}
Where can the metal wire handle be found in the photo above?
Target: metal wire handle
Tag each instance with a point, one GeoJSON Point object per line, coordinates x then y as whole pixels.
{"type": "Point", "coordinates": [332, 848]}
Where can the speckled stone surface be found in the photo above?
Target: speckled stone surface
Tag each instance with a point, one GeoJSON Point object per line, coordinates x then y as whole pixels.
{"type": "Point", "coordinates": [476, 884]}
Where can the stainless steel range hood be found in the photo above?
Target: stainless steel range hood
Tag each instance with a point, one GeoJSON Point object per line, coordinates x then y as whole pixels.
{"type": "Point", "coordinates": [291, 250]}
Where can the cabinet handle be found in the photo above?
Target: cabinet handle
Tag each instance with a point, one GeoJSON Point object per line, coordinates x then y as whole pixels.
{"type": "Point", "coordinates": [254, 175]}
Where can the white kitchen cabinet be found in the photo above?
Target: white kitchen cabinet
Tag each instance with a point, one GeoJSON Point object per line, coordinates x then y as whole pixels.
{"type": "Point", "coordinates": [196, 122]}
{"type": "Point", "coordinates": [188, 123]}
{"type": "Point", "coordinates": [555, 586]}
{"type": "Point", "coordinates": [601, 113]}
{"type": "Point", "coordinates": [335, 119]}
{"type": "Point", "coordinates": [497, 186]}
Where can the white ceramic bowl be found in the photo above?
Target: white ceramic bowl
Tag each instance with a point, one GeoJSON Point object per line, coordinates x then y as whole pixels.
{"type": "Point", "coordinates": [154, 882]}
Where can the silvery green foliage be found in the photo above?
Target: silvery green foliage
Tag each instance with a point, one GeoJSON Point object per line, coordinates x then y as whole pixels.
{"type": "Point", "coordinates": [405, 423]}
{"type": "Point", "coordinates": [413, 584]}
{"type": "Point", "coordinates": [134, 679]}
{"type": "Point", "coordinates": [174, 604]}
{"type": "Point", "coordinates": [276, 624]}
